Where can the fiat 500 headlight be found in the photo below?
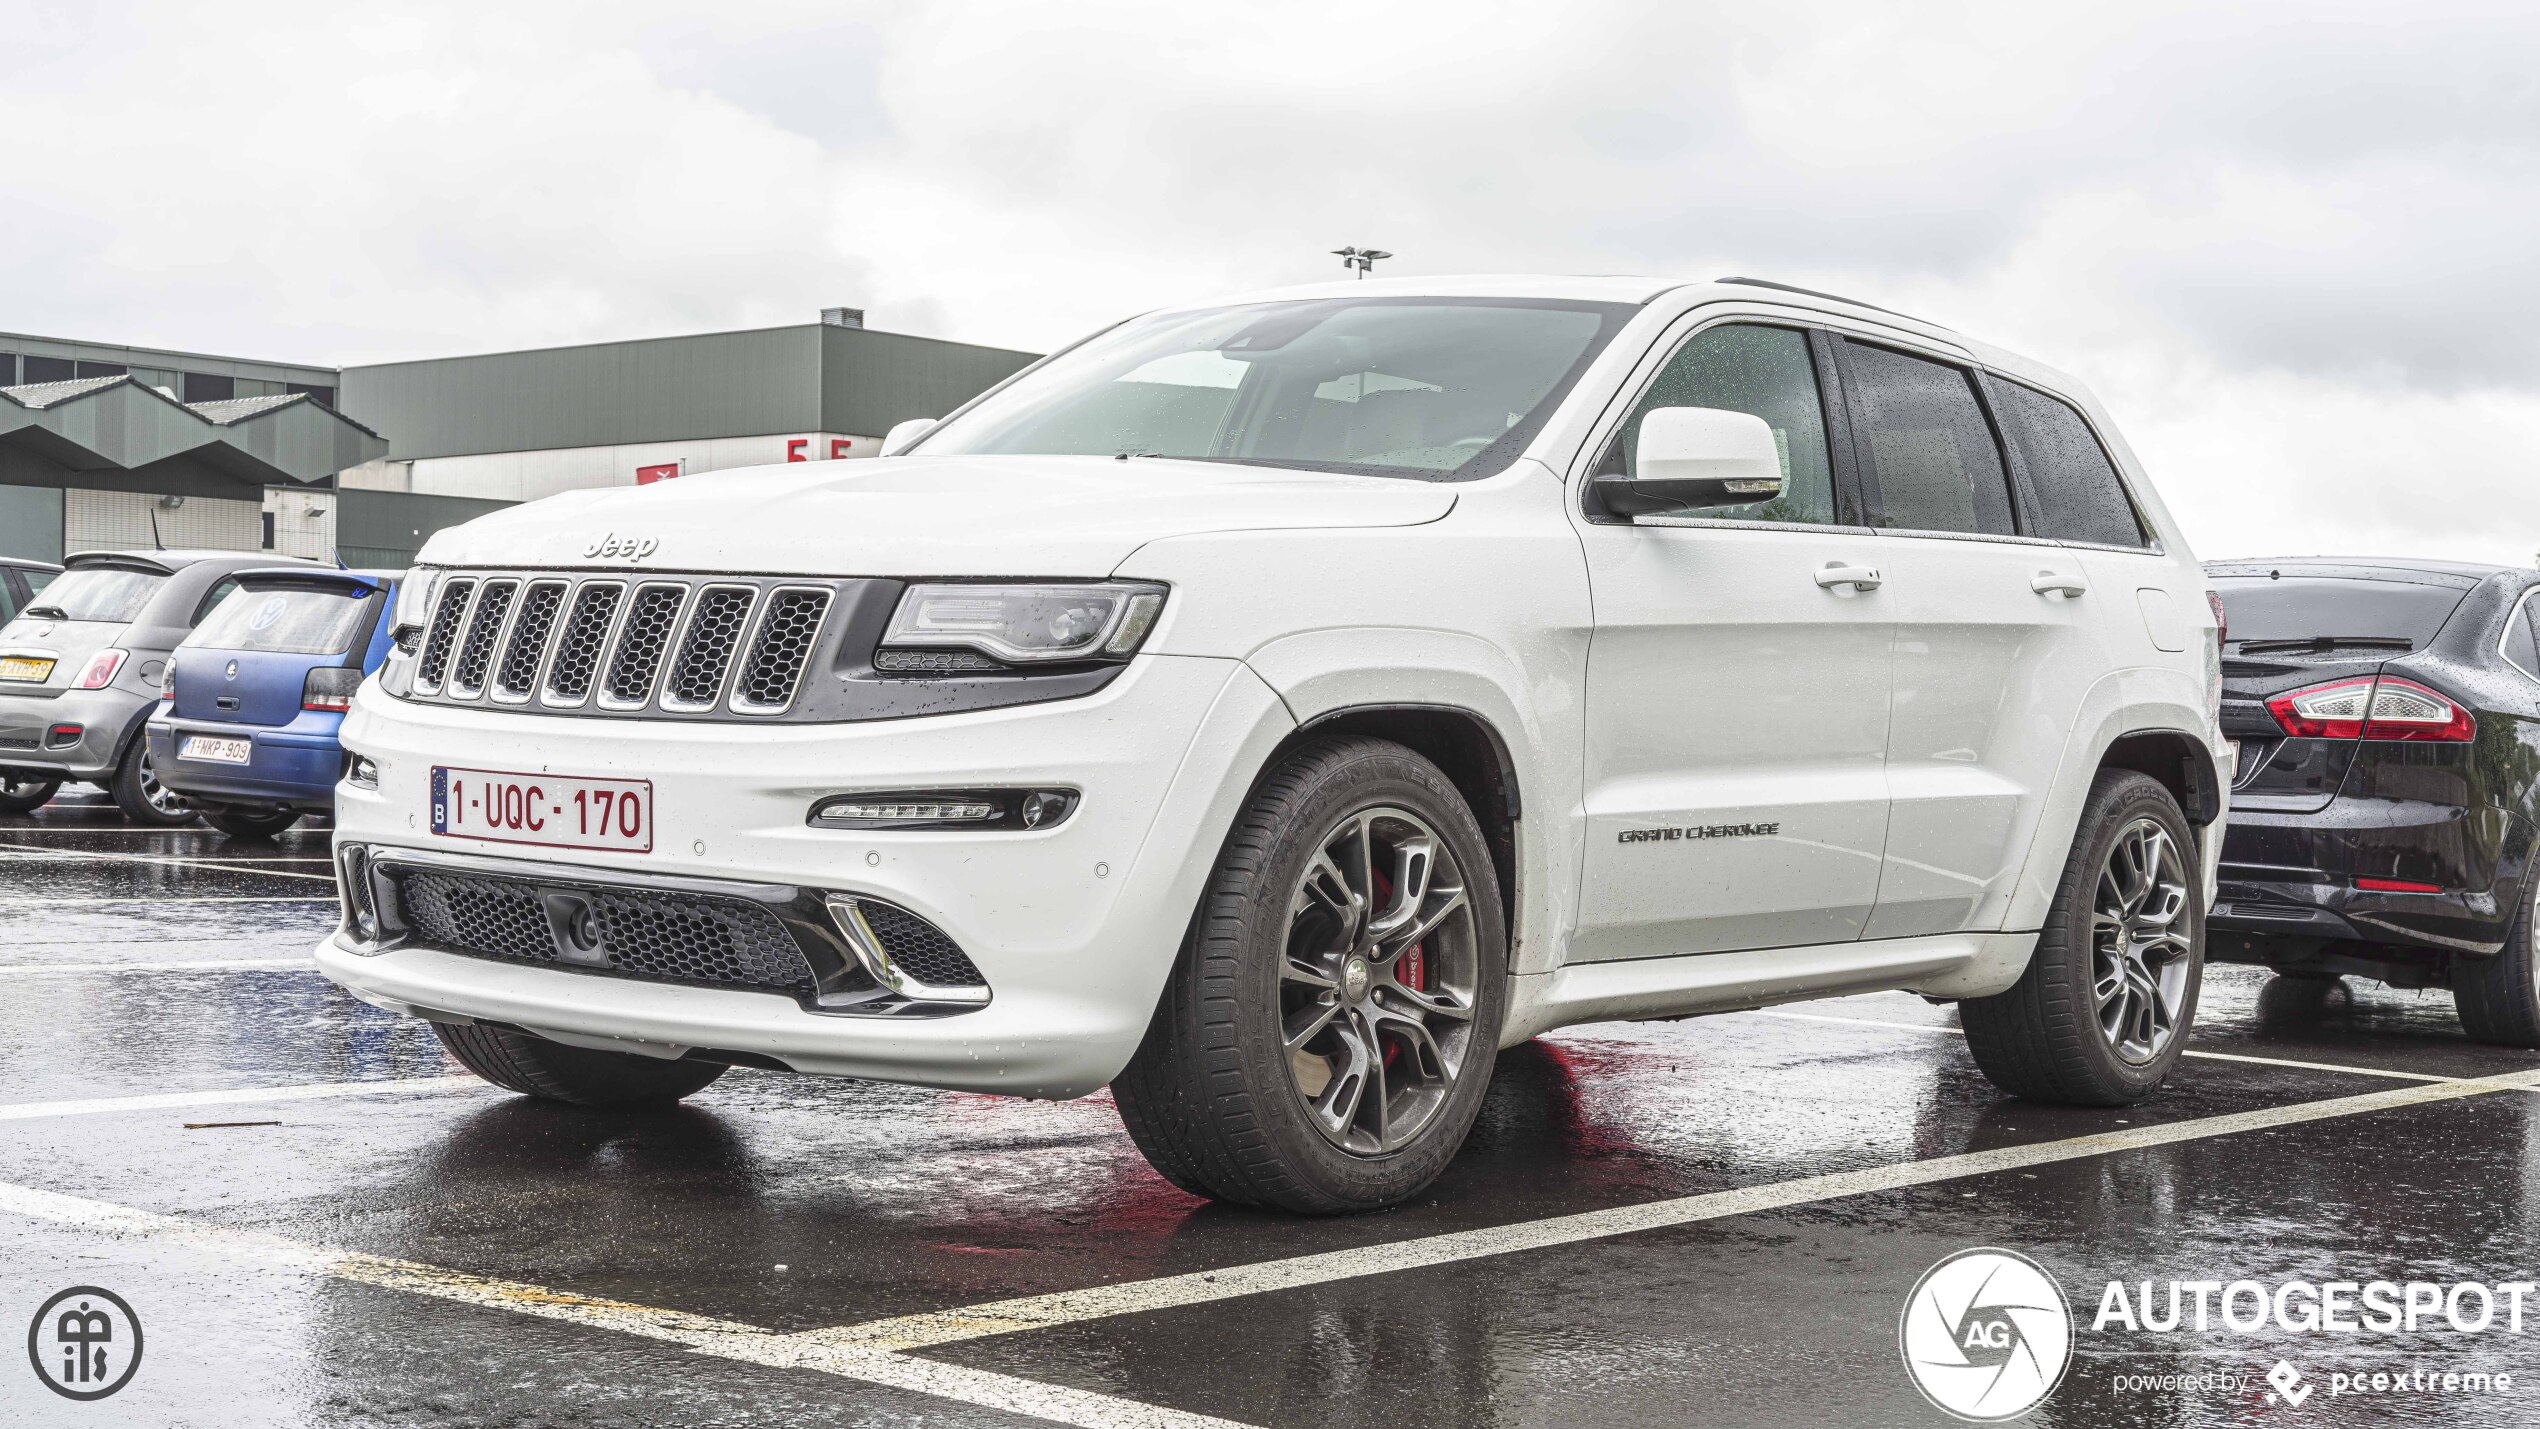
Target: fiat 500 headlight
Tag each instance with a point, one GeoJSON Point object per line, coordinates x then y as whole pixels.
{"type": "Point", "coordinates": [1024, 624]}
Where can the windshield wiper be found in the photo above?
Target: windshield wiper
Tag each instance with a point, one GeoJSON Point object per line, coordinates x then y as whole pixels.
{"type": "Point", "coordinates": [53, 611]}
{"type": "Point", "coordinates": [2326, 642]}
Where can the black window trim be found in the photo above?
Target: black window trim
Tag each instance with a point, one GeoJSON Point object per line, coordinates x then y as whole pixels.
{"type": "Point", "coordinates": [2015, 491]}
{"type": "Point", "coordinates": [2521, 607]}
{"type": "Point", "coordinates": [1848, 507]}
{"type": "Point", "coordinates": [2151, 542]}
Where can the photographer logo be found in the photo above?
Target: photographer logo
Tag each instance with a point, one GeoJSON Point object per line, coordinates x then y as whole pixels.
{"type": "Point", "coordinates": [85, 1343]}
{"type": "Point", "coordinates": [1986, 1335]}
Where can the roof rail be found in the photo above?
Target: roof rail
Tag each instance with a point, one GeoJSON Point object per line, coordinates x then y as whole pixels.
{"type": "Point", "coordinates": [1834, 297]}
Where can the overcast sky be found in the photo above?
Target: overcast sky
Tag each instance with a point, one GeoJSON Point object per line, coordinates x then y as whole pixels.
{"type": "Point", "coordinates": [2296, 249]}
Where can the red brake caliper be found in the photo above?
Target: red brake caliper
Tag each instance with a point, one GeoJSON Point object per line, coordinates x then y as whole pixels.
{"type": "Point", "coordinates": [1414, 970]}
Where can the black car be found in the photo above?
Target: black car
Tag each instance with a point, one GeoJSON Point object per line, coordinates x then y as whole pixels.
{"type": "Point", "coordinates": [2382, 819]}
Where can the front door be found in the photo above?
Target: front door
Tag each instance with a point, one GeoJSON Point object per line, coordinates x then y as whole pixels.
{"type": "Point", "coordinates": [1737, 707]}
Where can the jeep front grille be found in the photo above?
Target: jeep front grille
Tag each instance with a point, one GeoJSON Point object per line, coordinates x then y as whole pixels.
{"type": "Point", "coordinates": [680, 647]}
{"type": "Point", "coordinates": [641, 933]}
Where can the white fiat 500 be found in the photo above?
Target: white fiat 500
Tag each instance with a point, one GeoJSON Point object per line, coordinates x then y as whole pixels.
{"type": "Point", "coordinates": [1274, 708]}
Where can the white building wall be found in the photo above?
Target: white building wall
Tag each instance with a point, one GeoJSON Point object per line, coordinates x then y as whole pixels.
{"type": "Point", "coordinates": [122, 521]}
{"type": "Point", "coordinates": [303, 522]}
{"type": "Point", "coordinates": [527, 476]}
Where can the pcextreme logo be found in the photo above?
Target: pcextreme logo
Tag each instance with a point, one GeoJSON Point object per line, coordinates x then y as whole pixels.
{"type": "Point", "coordinates": [1986, 1335]}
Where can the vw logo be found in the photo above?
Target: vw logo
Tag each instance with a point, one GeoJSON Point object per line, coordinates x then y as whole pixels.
{"type": "Point", "coordinates": [1986, 1335]}
{"type": "Point", "coordinates": [233, 670]}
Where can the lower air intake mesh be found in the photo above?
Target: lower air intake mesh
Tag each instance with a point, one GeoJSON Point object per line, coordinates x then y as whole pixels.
{"type": "Point", "coordinates": [671, 937]}
{"type": "Point", "coordinates": [919, 948]}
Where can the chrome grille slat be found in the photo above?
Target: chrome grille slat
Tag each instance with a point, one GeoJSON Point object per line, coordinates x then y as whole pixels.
{"type": "Point", "coordinates": [484, 633]}
{"type": "Point", "coordinates": [525, 653]}
{"type": "Point", "coordinates": [434, 663]}
{"type": "Point", "coordinates": [593, 619]}
{"type": "Point", "coordinates": [788, 628]}
{"type": "Point", "coordinates": [706, 645]}
{"type": "Point", "coordinates": [643, 640]}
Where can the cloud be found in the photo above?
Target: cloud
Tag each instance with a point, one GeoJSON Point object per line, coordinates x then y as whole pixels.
{"type": "Point", "coordinates": [2287, 245]}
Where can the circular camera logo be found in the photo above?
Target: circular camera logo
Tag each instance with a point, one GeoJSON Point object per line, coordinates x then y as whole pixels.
{"type": "Point", "coordinates": [85, 1343]}
{"type": "Point", "coordinates": [1986, 1334]}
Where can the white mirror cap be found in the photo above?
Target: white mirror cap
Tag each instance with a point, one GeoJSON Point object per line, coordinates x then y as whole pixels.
{"type": "Point", "coordinates": [902, 433]}
{"type": "Point", "coordinates": [1708, 444]}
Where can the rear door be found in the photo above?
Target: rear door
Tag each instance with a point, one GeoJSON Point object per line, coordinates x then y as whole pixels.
{"type": "Point", "coordinates": [1736, 707]}
{"type": "Point", "coordinates": [2000, 632]}
{"type": "Point", "coordinates": [2298, 626]}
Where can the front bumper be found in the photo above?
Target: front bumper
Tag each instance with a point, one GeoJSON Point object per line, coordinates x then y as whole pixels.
{"type": "Point", "coordinates": [1073, 928]}
{"type": "Point", "coordinates": [2294, 875]}
{"type": "Point", "coordinates": [294, 765]}
{"type": "Point", "coordinates": [104, 718]}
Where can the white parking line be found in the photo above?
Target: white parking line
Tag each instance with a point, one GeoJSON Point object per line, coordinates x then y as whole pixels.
{"type": "Point", "coordinates": [235, 1096]}
{"type": "Point", "coordinates": [9, 902]}
{"type": "Point", "coordinates": [1036, 1312]}
{"type": "Point", "coordinates": [725, 1339]}
{"type": "Point", "coordinates": [12, 854]}
{"type": "Point", "coordinates": [194, 965]}
{"type": "Point", "coordinates": [2191, 1052]}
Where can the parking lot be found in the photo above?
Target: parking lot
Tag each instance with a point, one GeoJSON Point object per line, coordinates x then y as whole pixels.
{"type": "Point", "coordinates": [1708, 1221]}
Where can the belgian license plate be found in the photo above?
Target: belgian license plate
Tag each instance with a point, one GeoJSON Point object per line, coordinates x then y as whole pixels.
{"type": "Point", "coordinates": [21, 667]}
{"type": "Point", "coordinates": [216, 749]}
{"type": "Point", "coordinates": [544, 809]}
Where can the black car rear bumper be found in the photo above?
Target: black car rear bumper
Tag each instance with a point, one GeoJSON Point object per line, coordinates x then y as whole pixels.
{"type": "Point", "coordinates": [2295, 876]}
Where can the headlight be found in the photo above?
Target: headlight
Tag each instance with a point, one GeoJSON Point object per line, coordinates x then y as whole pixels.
{"type": "Point", "coordinates": [1026, 624]}
{"type": "Point", "coordinates": [414, 601]}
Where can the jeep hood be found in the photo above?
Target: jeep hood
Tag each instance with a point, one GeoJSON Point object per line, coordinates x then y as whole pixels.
{"type": "Point", "coordinates": [926, 516]}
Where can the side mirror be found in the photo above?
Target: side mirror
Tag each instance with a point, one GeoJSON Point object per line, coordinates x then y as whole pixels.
{"type": "Point", "coordinates": [1691, 458]}
{"type": "Point", "coordinates": [902, 434]}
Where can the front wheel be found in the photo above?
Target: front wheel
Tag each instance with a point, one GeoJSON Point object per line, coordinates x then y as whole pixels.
{"type": "Point", "coordinates": [2102, 1014]}
{"type": "Point", "coordinates": [1328, 1034]}
{"type": "Point", "coordinates": [25, 793]}
{"type": "Point", "coordinates": [143, 799]}
{"type": "Point", "coordinates": [583, 1076]}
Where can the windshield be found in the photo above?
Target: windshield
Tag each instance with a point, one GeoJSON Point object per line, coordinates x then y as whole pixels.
{"type": "Point", "coordinates": [98, 593]}
{"type": "Point", "coordinates": [1435, 388]}
{"type": "Point", "coordinates": [292, 621]}
{"type": "Point", "coordinates": [2314, 607]}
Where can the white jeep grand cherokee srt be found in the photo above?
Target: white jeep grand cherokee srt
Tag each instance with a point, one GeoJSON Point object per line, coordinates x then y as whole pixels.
{"type": "Point", "coordinates": [1273, 709]}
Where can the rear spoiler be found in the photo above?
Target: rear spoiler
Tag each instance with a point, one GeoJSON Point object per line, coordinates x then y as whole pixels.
{"type": "Point", "coordinates": [315, 578]}
{"type": "Point", "coordinates": [116, 560]}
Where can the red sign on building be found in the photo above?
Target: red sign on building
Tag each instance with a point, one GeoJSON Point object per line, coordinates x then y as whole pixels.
{"type": "Point", "coordinates": [647, 475]}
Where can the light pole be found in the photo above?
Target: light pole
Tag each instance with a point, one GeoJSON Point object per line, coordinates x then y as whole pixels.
{"type": "Point", "coordinates": [1359, 260]}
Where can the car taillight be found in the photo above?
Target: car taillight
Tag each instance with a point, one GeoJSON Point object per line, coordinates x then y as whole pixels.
{"type": "Point", "coordinates": [2213, 659]}
{"type": "Point", "coordinates": [2222, 617]}
{"type": "Point", "coordinates": [2383, 708]}
{"type": "Point", "coordinates": [167, 680]}
{"type": "Point", "coordinates": [330, 687]}
{"type": "Point", "coordinates": [2396, 885]}
{"type": "Point", "coordinates": [100, 670]}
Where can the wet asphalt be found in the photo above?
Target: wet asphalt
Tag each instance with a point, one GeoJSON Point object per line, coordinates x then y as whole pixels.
{"type": "Point", "coordinates": [141, 963]}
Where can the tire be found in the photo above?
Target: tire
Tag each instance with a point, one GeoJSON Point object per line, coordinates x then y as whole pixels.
{"type": "Point", "coordinates": [552, 1071]}
{"type": "Point", "coordinates": [24, 794]}
{"type": "Point", "coordinates": [250, 823]}
{"type": "Point", "coordinates": [2048, 1038]}
{"type": "Point", "coordinates": [2499, 997]}
{"type": "Point", "coordinates": [143, 799]}
{"type": "Point", "coordinates": [1214, 1097]}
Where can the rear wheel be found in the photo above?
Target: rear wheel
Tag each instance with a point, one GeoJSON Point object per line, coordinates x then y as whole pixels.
{"type": "Point", "coordinates": [2499, 997]}
{"type": "Point", "coordinates": [1328, 1034]}
{"type": "Point", "coordinates": [25, 793]}
{"type": "Point", "coordinates": [141, 796]}
{"type": "Point", "coordinates": [250, 823]}
{"type": "Point", "coordinates": [583, 1076]}
{"type": "Point", "coordinates": [2102, 1014]}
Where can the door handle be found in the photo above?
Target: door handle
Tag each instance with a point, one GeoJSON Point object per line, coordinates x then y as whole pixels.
{"type": "Point", "coordinates": [1859, 578]}
{"type": "Point", "coordinates": [2055, 583]}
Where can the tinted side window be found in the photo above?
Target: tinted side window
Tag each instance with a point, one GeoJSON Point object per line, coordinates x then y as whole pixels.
{"type": "Point", "coordinates": [1763, 371]}
{"type": "Point", "coordinates": [1929, 448]}
{"type": "Point", "coordinates": [2079, 497]}
{"type": "Point", "coordinates": [2522, 640]}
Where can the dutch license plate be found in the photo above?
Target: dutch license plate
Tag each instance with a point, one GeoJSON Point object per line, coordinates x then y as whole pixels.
{"type": "Point", "coordinates": [20, 667]}
{"type": "Point", "coordinates": [543, 809]}
{"type": "Point", "coordinates": [216, 749]}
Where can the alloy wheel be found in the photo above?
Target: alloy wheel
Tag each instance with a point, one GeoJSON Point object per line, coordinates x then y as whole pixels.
{"type": "Point", "coordinates": [2140, 952]}
{"type": "Point", "coordinates": [1378, 981]}
{"type": "Point", "coordinates": [162, 798]}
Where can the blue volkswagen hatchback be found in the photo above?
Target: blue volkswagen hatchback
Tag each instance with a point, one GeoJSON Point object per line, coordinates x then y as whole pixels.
{"type": "Point", "coordinates": [247, 721]}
